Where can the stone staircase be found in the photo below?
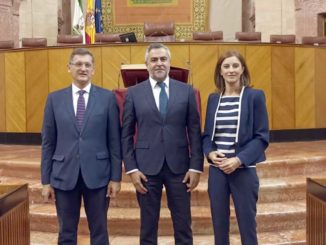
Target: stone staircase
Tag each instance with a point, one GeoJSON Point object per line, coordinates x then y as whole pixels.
{"type": "Point", "coordinates": [281, 207]}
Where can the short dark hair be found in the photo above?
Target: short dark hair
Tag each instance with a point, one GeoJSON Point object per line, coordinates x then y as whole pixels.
{"type": "Point", "coordinates": [81, 51]}
{"type": "Point", "coordinates": [219, 80]}
{"type": "Point", "coordinates": [156, 46]}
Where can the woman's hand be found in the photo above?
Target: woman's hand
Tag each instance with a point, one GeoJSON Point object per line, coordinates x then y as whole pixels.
{"type": "Point", "coordinates": [229, 165]}
{"type": "Point", "coordinates": [216, 157]}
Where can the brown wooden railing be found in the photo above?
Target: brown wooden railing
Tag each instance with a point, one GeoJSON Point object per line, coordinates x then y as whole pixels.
{"type": "Point", "coordinates": [14, 215]}
{"type": "Point", "coordinates": [316, 211]}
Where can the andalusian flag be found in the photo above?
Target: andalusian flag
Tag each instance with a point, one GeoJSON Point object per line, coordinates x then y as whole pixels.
{"type": "Point", "coordinates": [78, 23]}
{"type": "Point", "coordinates": [90, 23]}
{"type": "Point", "coordinates": [98, 16]}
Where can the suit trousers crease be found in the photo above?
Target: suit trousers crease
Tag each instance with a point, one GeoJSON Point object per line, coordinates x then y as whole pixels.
{"type": "Point", "coordinates": [243, 186]}
{"type": "Point", "coordinates": [68, 204]}
{"type": "Point", "coordinates": [178, 203]}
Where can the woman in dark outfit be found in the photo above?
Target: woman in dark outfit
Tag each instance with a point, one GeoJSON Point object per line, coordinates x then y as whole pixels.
{"type": "Point", "coordinates": [234, 140]}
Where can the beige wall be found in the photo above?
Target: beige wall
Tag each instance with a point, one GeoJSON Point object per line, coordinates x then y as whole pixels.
{"type": "Point", "coordinates": [9, 20]}
{"type": "Point", "coordinates": [39, 18]}
{"type": "Point", "coordinates": [225, 15]}
{"type": "Point", "coordinates": [306, 16]}
{"type": "Point", "coordinates": [275, 17]}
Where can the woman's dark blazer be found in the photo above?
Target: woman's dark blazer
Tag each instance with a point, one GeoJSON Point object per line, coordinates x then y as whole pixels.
{"type": "Point", "coordinates": [253, 133]}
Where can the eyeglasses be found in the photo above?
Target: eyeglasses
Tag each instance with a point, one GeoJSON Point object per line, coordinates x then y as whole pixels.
{"type": "Point", "coordinates": [80, 65]}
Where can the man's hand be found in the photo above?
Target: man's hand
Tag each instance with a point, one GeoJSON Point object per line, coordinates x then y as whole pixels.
{"type": "Point", "coordinates": [48, 193]}
{"type": "Point", "coordinates": [191, 179]}
{"type": "Point", "coordinates": [113, 189]}
{"type": "Point", "coordinates": [229, 165]}
{"type": "Point", "coordinates": [137, 178]}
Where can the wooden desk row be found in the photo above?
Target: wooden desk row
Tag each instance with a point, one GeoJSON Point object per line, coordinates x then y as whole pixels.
{"type": "Point", "coordinates": [316, 211]}
{"type": "Point", "coordinates": [14, 215]}
{"type": "Point", "coordinates": [292, 76]}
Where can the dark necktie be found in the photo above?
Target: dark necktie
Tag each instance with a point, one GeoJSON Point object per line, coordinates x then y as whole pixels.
{"type": "Point", "coordinates": [163, 102]}
{"type": "Point", "coordinates": [80, 114]}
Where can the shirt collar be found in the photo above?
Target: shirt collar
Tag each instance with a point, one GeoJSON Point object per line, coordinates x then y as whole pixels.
{"type": "Point", "coordinates": [75, 89]}
{"type": "Point", "coordinates": [154, 83]}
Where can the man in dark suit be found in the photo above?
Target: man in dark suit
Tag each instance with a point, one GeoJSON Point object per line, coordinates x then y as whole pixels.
{"type": "Point", "coordinates": [167, 149]}
{"type": "Point", "coordinates": [81, 153]}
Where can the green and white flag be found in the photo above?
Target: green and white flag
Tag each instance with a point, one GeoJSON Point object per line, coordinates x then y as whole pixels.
{"type": "Point", "coordinates": [78, 23]}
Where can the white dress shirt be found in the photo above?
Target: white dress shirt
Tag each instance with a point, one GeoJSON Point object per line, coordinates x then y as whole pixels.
{"type": "Point", "coordinates": [75, 95]}
{"type": "Point", "coordinates": [157, 90]}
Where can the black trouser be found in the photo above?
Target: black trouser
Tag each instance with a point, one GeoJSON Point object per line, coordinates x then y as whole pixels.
{"type": "Point", "coordinates": [178, 202]}
{"type": "Point", "coordinates": [68, 205]}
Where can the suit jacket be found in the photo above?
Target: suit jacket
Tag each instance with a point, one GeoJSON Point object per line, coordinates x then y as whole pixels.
{"type": "Point", "coordinates": [95, 150]}
{"type": "Point", "coordinates": [177, 139]}
{"type": "Point", "coordinates": [253, 133]}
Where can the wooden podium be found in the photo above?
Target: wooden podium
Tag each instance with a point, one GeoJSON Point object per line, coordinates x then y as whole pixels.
{"type": "Point", "coordinates": [14, 215]}
{"type": "Point", "coordinates": [316, 211]}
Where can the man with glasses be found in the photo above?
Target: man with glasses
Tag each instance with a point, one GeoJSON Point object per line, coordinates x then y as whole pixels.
{"type": "Point", "coordinates": [81, 154]}
{"type": "Point", "coordinates": [167, 151]}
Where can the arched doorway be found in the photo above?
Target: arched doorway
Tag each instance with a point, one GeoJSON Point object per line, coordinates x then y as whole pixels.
{"type": "Point", "coordinates": [321, 26]}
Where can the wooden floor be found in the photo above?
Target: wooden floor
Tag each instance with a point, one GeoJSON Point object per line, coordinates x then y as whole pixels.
{"type": "Point", "coordinates": [281, 207]}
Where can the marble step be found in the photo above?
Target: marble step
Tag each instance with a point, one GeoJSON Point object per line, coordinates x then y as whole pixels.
{"type": "Point", "coordinates": [270, 217]}
{"type": "Point", "coordinates": [271, 190]}
{"type": "Point", "coordinates": [268, 169]}
{"type": "Point", "coordinates": [293, 158]}
{"type": "Point", "coordinates": [283, 159]}
{"type": "Point", "coordinates": [291, 237]}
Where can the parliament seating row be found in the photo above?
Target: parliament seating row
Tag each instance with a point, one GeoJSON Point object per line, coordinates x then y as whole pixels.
{"type": "Point", "coordinates": [166, 35]}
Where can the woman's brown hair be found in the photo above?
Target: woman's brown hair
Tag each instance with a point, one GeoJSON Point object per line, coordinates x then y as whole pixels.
{"type": "Point", "coordinates": [219, 80]}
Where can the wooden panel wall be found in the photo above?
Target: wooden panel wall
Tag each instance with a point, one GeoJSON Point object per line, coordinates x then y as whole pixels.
{"type": "Point", "coordinates": [259, 63]}
{"type": "Point", "coordinates": [112, 58]}
{"type": "Point", "coordinates": [241, 48]}
{"type": "Point", "coordinates": [292, 77]}
{"type": "Point", "coordinates": [37, 87]}
{"type": "Point", "coordinates": [2, 94]}
{"type": "Point", "coordinates": [97, 78]}
{"type": "Point", "coordinates": [137, 54]}
{"type": "Point", "coordinates": [58, 70]}
{"type": "Point", "coordinates": [320, 88]}
{"type": "Point", "coordinates": [202, 69]}
{"type": "Point", "coordinates": [283, 100]}
{"type": "Point", "coordinates": [304, 88]}
{"type": "Point", "coordinates": [179, 55]}
{"type": "Point", "coordinates": [15, 92]}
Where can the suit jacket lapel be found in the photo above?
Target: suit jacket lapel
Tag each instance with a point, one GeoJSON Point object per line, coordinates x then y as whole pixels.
{"type": "Point", "coordinates": [173, 94]}
{"type": "Point", "coordinates": [148, 94]}
{"type": "Point", "coordinates": [70, 105]}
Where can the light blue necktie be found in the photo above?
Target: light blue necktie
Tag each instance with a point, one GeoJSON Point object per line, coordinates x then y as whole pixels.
{"type": "Point", "coordinates": [163, 100]}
